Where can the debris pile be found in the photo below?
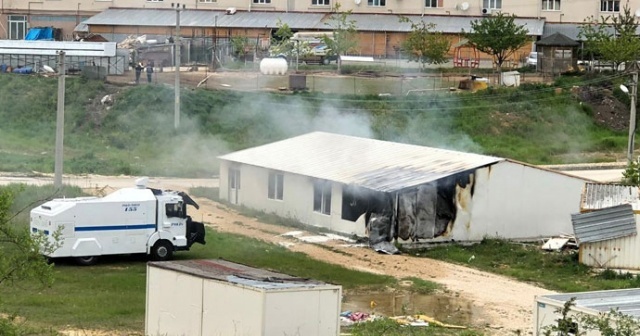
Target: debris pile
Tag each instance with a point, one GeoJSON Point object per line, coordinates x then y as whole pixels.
{"type": "Point", "coordinates": [560, 243]}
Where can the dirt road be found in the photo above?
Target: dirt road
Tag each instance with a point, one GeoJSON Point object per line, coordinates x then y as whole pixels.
{"type": "Point", "coordinates": [499, 305]}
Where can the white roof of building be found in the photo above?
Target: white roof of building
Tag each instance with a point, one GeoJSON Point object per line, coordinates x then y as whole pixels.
{"type": "Point", "coordinates": [374, 164]}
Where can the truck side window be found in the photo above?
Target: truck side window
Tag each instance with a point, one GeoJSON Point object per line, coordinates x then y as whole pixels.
{"type": "Point", "coordinates": [174, 210]}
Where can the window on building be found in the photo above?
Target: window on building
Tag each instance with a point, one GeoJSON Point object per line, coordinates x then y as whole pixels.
{"type": "Point", "coordinates": [208, 1]}
{"type": "Point", "coordinates": [276, 184]}
{"type": "Point", "coordinates": [320, 2]}
{"type": "Point", "coordinates": [377, 3]}
{"type": "Point", "coordinates": [431, 3]}
{"type": "Point", "coordinates": [322, 197]}
{"type": "Point", "coordinates": [17, 27]}
{"type": "Point", "coordinates": [610, 5]}
{"type": "Point", "coordinates": [492, 4]}
{"type": "Point", "coordinates": [234, 178]}
{"type": "Point", "coordinates": [551, 5]}
{"type": "Point", "coordinates": [261, 1]}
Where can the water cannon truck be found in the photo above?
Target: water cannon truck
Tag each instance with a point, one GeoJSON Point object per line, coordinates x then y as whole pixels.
{"type": "Point", "coordinates": [128, 221]}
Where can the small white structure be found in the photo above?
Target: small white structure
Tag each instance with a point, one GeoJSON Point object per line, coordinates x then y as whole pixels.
{"type": "Point", "coordinates": [273, 66]}
{"type": "Point", "coordinates": [217, 297]}
{"type": "Point", "coordinates": [338, 182]}
{"type": "Point", "coordinates": [607, 226]}
{"type": "Point", "coordinates": [547, 307]}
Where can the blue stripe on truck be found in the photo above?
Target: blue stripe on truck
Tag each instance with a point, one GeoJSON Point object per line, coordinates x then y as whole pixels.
{"type": "Point", "coordinates": [115, 227]}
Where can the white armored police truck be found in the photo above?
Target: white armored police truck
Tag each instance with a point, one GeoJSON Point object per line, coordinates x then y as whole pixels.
{"type": "Point", "coordinates": [127, 221]}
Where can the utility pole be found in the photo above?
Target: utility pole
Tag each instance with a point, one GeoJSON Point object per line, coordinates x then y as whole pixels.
{"type": "Point", "coordinates": [632, 117]}
{"type": "Point", "coordinates": [176, 42]}
{"type": "Point", "coordinates": [57, 183]}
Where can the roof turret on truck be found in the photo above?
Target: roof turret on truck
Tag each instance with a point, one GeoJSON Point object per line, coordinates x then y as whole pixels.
{"type": "Point", "coordinates": [128, 221]}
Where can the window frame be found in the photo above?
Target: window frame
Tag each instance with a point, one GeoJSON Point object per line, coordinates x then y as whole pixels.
{"type": "Point", "coordinates": [275, 186]}
{"type": "Point", "coordinates": [550, 5]}
{"type": "Point", "coordinates": [432, 3]}
{"type": "Point", "coordinates": [322, 191]}
{"type": "Point", "coordinates": [318, 3]}
{"type": "Point", "coordinates": [207, 1]}
{"type": "Point", "coordinates": [14, 19]}
{"type": "Point", "coordinates": [615, 6]}
{"type": "Point", "coordinates": [234, 178]}
{"type": "Point", "coordinates": [261, 2]}
{"type": "Point", "coordinates": [376, 3]}
{"type": "Point", "coordinates": [492, 4]}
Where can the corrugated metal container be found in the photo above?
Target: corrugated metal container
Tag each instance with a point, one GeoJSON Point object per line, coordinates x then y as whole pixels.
{"type": "Point", "coordinates": [217, 297]}
{"type": "Point", "coordinates": [620, 250]}
{"type": "Point", "coordinates": [545, 313]}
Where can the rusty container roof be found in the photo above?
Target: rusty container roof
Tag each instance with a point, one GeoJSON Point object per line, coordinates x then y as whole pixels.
{"type": "Point", "coordinates": [603, 195]}
{"type": "Point", "coordinates": [226, 271]}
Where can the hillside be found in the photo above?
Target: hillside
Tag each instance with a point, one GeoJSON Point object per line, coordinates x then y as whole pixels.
{"type": "Point", "coordinates": [575, 120]}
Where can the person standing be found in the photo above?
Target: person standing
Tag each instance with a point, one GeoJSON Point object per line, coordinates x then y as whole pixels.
{"type": "Point", "coordinates": [149, 70]}
{"type": "Point", "coordinates": [138, 69]}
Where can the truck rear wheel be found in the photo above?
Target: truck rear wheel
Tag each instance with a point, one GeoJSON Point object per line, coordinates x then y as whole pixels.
{"type": "Point", "coordinates": [87, 261]}
{"type": "Point", "coordinates": [162, 250]}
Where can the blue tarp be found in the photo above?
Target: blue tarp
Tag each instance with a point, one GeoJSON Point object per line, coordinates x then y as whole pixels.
{"type": "Point", "coordinates": [40, 33]}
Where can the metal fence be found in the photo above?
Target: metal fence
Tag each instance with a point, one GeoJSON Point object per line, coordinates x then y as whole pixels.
{"type": "Point", "coordinates": [116, 65]}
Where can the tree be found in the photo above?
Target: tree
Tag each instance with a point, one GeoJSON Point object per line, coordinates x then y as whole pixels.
{"type": "Point", "coordinates": [612, 323]}
{"type": "Point", "coordinates": [281, 43]}
{"type": "Point", "coordinates": [344, 34]}
{"type": "Point", "coordinates": [425, 45]}
{"type": "Point", "coordinates": [240, 46]}
{"type": "Point", "coordinates": [613, 37]}
{"type": "Point", "coordinates": [20, 257]}
{"type": "Point", "coordinates": [498, 35]}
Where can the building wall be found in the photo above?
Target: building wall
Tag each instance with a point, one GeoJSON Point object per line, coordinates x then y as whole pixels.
{"type": "Point", "coordinates": [166, 289]}
{"type": "Point", "coordinates": [512, 200]}
{"type": "Point", "coordinates": [297, 200]}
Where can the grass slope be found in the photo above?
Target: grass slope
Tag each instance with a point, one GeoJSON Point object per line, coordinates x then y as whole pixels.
{"type": "Point", "coordinates": [533, 123]}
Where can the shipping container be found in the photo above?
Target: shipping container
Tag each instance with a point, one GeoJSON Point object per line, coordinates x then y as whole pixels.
{"type": "Point", "coordinates": [217, 297]}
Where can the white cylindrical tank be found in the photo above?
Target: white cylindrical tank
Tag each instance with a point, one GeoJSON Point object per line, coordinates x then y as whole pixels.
{"type": "Point", "coordinates": [273, 66]}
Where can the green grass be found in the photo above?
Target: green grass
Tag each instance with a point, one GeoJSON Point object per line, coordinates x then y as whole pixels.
{"type": "Point", "coordinates": [389, 327]}
{"type": "Point", "coordinates": [552, 270]}
{"type": "Point", "coordinates": [532, 123]}
{"type": "Point", "coordinates": [111, 295]}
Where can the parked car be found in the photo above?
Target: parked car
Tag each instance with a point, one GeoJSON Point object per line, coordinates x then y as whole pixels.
{"type": "Point", "coordinates": [532, 59]}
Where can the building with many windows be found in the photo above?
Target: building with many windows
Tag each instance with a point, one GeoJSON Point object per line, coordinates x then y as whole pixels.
{"type": "Point", "coordinates": [380, 30]}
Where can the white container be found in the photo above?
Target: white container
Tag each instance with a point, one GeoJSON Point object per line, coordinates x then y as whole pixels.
{"type": "Point", "coordinates": [217, 297]}
{"type": "Point", "coordinates": [546, 310]}
{"type": "Point", "coordinates": [510, 78]}
{"type": "Point", "coordinates": [273, 66]}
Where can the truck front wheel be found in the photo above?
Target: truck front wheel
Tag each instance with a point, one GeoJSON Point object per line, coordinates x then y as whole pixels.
{"type": "Point", "coordinates": [87, 261]}
{"type": "Point", "coordinates": [162, 250]}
